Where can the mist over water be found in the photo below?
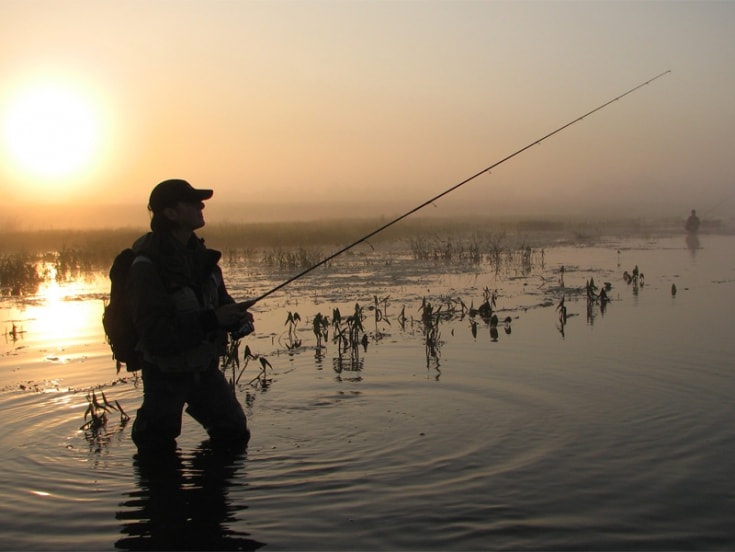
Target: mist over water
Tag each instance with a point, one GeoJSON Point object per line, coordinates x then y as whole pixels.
{"type": "Point", "coordinates": [222, 210]}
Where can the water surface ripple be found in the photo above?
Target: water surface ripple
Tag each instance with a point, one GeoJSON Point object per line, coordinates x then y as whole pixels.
{"type": "Point", "coordinates": [612, 431]}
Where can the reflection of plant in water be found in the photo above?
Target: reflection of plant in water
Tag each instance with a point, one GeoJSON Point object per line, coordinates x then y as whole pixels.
{"type": "Point", "coordinates": [430, 319]}
{"type": "Point", "coordinates": [19, 275]}
{"type": "Point", "coordinates": [70, 263]}
{"type": "Point", "coordinates": [494, 327]}
{"type": "Point", "coordinates": [380, 314]}
{"type": "Point", "coordinates": [292, 321]}
{"type": "Point", "coordinates": [402, 317]}
{"type": "Point", "coordinates": [473, 327]}
{"type": "Point", "coordinates": [596, 296]}
{"type": "Point", "coordinates": [506, 325]}
{"type": "Point", "coordinates": [562, 309]}
{"type": "Point", "coordinates": [320, 327]}
{"type": "Point", "coordinates": [522, 258]}
{"type": "Point", "coordinates": [15, 332]}
{"type": "Point", "coordinates": [349, 335]}
{"type": "Point", "coordinates": [22, 274]}
{"type": "Point", "coordinates": [348, 369]}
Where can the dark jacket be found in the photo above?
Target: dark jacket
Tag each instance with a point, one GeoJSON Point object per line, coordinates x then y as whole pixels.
{"type": "Point", "coordinates": [173, 291]}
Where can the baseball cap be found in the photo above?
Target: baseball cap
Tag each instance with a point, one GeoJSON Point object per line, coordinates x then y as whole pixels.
{"type": "Point", "coordinates": [169, 192]}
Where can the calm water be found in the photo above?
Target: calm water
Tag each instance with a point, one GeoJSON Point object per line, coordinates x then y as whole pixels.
{"type": "Point", "coordinates": [613, 431]}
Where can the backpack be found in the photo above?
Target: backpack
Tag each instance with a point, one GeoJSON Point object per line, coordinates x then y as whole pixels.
{"type": "Point", "coordinates": [117, 319]}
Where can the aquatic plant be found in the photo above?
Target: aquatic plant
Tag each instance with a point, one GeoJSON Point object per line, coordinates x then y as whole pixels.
{"type": "Point", "coordinates": [231, 362]}
{"type": "Point", "coordinates": [380, 314]}
{"type": "Point", "coordinates": [262, 376]}
{"type": "Point", "coordinates": [70, 263]}
{"type": "Point", "coordinates": [355, 331]}
{"type": "Point", "coordinates": [349, 336]}
{"type": "Point", "coordinates": [320, 327]}
{"type": "Point", "coordinates": [97, 412]}
{"type": "Point", "coordinates": [231, 358]}
{"type": "Point", "coordinates": [635, 279]}
{"type": "Point", "coordinates": [348, 340]}
{"type": "Point", "coordinates": [591, 290]}
{"type": "Point", "coordinates": [486, 309]}
{"type": "Point", "coordinates": [292, 259]}
{"type": "Point", "coordinates": [596, 296]}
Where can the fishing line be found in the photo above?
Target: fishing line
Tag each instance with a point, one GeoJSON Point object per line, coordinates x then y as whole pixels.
{"type": "Point", "coordinates": [447, 191]}
{"type": "Point", "coordinates": [722, 201]}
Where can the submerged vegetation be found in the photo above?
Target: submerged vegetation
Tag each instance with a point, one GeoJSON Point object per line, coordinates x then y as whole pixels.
{"type": "Point", "coordinates": [327, 234]}
{"type": "Point", "coordinates": [19, 275]}
{"type": "Point", "coordinates": [95, 427]}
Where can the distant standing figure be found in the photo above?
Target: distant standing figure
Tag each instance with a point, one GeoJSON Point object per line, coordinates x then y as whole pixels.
{"type": "Point", "coordinates": [692, 223]}
{"type": "Point", "coordinates": [183, 313]}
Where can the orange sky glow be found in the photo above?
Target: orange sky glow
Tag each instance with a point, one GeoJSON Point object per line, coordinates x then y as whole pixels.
{"type": "Point", "coordinates": [371, 106]}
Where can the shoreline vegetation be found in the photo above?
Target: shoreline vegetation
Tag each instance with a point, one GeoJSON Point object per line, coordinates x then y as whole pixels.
{"type": "Point", "coordinates": [28, 258]}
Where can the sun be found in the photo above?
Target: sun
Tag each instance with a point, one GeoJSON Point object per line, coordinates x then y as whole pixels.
{"type": "Point", "coordinates": [51, 130]}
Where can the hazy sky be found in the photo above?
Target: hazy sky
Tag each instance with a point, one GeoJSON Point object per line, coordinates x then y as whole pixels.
{"type": "Point", "coordinates": [379, 101]}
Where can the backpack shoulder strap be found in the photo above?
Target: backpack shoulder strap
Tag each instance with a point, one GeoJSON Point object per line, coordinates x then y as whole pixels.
{"type": "Point", "coordinates": [140, 258]}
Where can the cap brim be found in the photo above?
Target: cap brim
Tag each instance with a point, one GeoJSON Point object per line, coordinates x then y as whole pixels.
{"type": "Point", "coordinates": [201, 195]}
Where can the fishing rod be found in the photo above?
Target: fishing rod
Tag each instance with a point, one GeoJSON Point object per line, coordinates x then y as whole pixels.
{"type": "Point", "coordinates": [447, 191]}
{"type": "Point", "coordinates": [715, 206]}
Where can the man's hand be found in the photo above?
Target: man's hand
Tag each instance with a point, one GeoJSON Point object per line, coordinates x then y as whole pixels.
{"type": "Point", "coordinates": [233, 314]}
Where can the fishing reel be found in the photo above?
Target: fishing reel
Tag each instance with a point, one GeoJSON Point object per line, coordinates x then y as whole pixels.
{"type": "Point", "coordinates": [246, 328]}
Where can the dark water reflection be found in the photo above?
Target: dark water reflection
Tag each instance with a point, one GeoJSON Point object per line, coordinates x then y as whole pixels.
{"type": "Point", "coordinates": [182, 503]}
{"type": "Point", "coordinates": [692, 241]}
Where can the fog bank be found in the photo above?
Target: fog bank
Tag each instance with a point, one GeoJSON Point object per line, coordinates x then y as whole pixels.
{"type": "Point", "coordinates": [84, 217]}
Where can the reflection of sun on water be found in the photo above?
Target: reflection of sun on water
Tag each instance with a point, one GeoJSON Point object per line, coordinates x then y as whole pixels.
{"type": "Point", "coordinates": [59, 316]}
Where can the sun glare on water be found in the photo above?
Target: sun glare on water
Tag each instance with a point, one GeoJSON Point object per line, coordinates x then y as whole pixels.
{"type": "Point", "coordinates": [51, 131]}
{"type": "Point", "coordinates": [59, 316]}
